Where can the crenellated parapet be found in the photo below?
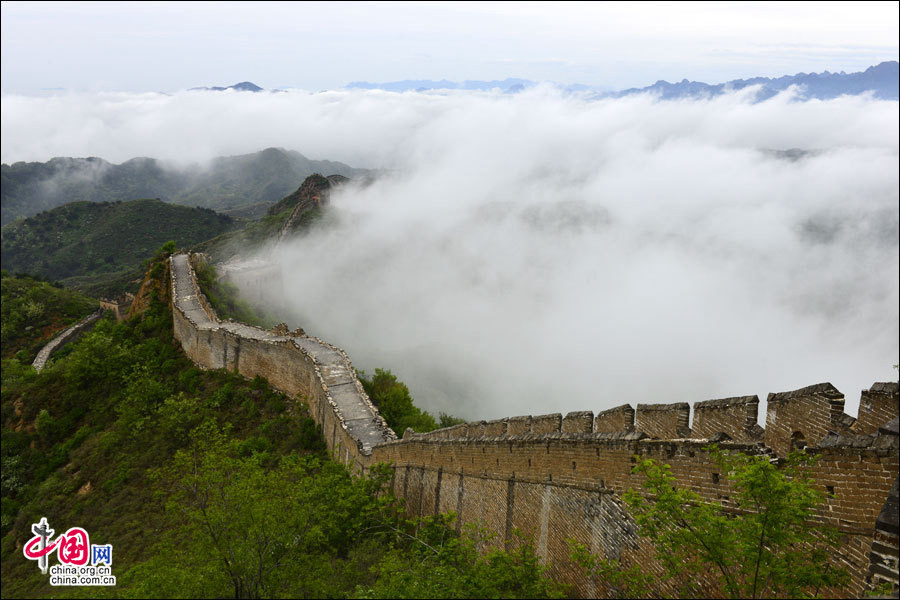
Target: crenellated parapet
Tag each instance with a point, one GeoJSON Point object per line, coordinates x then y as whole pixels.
{"type": "Point", "coordinates": [877, 405]}
{"type": "Point", "coordinates": [615, 420]}
{"type": "Point", "coordinates": [802, 417]}
{"type": "Point", "coordinates": [664, 421]}
{"type": "Point", "coordinates": [554, 477]}
{"type": "Point", "coordinates": [736, 417]}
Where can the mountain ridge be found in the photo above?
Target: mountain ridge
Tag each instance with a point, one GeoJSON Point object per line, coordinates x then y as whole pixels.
{"type": "Point", "coordinates": [241, 185]}
{"type": "Point", "coordinates": [243, 86]}
{"type": "Point", "coordinates": [97, 246]}
{"type": "Point", "coordinates": [882, 79]}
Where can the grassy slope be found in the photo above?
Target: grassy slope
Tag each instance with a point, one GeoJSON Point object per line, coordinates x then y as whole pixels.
{"type": "Point", "coordinates": [88, 245]}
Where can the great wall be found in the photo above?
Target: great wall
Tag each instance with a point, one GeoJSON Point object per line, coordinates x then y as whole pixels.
{"type": "Point", "coordinates": [553, 477]}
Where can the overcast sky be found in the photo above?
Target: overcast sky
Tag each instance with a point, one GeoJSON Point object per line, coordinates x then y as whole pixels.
{"type": "Point", "coordinates": [168, 46]}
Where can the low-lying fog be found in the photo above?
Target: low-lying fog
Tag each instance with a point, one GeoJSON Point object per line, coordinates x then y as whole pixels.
{"type": "Point", "coordinates": [537, 253]}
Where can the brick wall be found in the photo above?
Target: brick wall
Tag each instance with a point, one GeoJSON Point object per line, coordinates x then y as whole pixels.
{"type": "Point", "coordinates": [568, 486]}
{"type": "Point", "coordinates": [300, 366]}
{"type": "Point", "coordinates": [551, 478]}
{"type": "Point", "coordinates": [578, 422]}
{"type": "Point", "coordinates": [877, 405]}
{"type": "Point", "coordinates": [735, 417]}
{"type": "Point", "coordinates": [664, 421]}
{"type": "Point", "coordinates": [803, 417]}
{"type": "Point", "coordinates": [615, 420]}
{"type": "Point", "coordinates": [70, 334]}
{"type": "Point", "coordinates": [885, 550]}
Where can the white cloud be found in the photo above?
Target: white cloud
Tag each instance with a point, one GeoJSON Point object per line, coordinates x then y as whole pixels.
{"type": "Point", "coordinates": [538, 253]}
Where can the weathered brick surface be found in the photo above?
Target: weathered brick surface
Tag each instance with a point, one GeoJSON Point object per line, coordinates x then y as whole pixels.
{"type": "Point", "coordinates": [877, 405]}
{"type": "Point", "coordinates": [803, 417]}
{"type": "Point", "coordinates": [615, 420]}
{"type": "Point", "coordinates": [664, 421]}
{"type": "Point", "coordinates": [495, 428]}
{"type": "Point", "coordinates": [578, 422]}
{"type": "Point", "coordinates": [736, 417]}
{"type": "Point", "coordinates": [475, 429]}
{"type": "Point", "coordinates": [884, 553]}
{"type": "Point", "coordinates": [554, 479]}
{"type": "Point", "coordinates": [546, 424]}
{"type": "Point", "coordinates": [518, 425]}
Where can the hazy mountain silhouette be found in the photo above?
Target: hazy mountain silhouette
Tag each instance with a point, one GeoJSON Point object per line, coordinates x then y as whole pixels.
{"type": "Point", "coordinates": [881, 79]}
{"type": "Point", "coordinates": [244, 86]}
{"type": "Point", "coordinates": [244, 185]}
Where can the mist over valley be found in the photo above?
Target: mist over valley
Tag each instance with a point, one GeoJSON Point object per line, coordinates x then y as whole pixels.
{"type": "Point", "coordinates": [540, 251]}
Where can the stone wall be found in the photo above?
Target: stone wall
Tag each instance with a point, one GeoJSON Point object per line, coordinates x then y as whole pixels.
{"type": "Point", "coordinates": [877, 405]}
{"type": "Point", "coordinates": [68, 335]}
{"type": "Point", "coordinates": [550, 478]}
{"type": "Point", "coordinates": [615, 420]}
{"type": "Point", "coordinates": [664, 421]}
{"type": "Point", "coordinates": [736, 417]}
{"type": "Point", "coordinates": [559, 486]}
{"type": "Point", "coordinates": [802, 417]}
{"type": "Point", "coordinates": [119, 306]}
{"type": "Point", "coordinates": [883, 556]}
{"type": "Point", "coordinates": [300, 366]}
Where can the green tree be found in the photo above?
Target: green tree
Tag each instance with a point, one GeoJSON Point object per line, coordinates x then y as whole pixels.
{"type": "Point", "coordinates": [429, 559]}
{"type": "Point", "coordinates": [768, 543]}
{"type": "Point", "coordinates": [395, 404]}
{"type": "Point", "coordinates": [250, 531]}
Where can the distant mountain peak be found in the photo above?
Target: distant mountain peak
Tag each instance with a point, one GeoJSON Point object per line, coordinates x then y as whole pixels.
{"type": "Point", "coordinates": [244, 86]}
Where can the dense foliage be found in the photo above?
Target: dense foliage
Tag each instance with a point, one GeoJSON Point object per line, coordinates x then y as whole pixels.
{"type": "Point", "coordinates": [98, 247]}
{"type": "Point", "coordinates": [33, 311]}
{"type": "Point", "coordinates": [79, 437]}
{"type": "Point", "coordinates": [256, 234]}
{"type": "Point", "coordinates": [209, 485]}
{"type": "Point", "coordinates": [394, 402]}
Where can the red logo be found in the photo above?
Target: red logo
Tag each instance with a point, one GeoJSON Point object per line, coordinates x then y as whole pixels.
{"type": "Point", "coordinates": [72, 547]}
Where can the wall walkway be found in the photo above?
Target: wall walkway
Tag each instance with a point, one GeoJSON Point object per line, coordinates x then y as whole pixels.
{"type": "Point", "coordinates": [554, 477]}
{"type": "Point", "coordinates": [66, 336]}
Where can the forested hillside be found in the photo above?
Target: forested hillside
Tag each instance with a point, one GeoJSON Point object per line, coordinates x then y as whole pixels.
{"type": "Point", "coordinates": [244, 185]}
{"type": "Point", "coordinates": [209, 485]}
{"type": "Point", "coordinates": [33, 311]}
{"type": "Point", "coordinates": [98, 247]}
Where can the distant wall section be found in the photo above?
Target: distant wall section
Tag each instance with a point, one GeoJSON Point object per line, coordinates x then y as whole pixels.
{"type": "Point", "coordinates": [68, 335]}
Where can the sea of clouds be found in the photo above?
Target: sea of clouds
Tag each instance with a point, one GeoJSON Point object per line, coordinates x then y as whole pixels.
{"type": "Point", "coordinates": [540, 252]}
